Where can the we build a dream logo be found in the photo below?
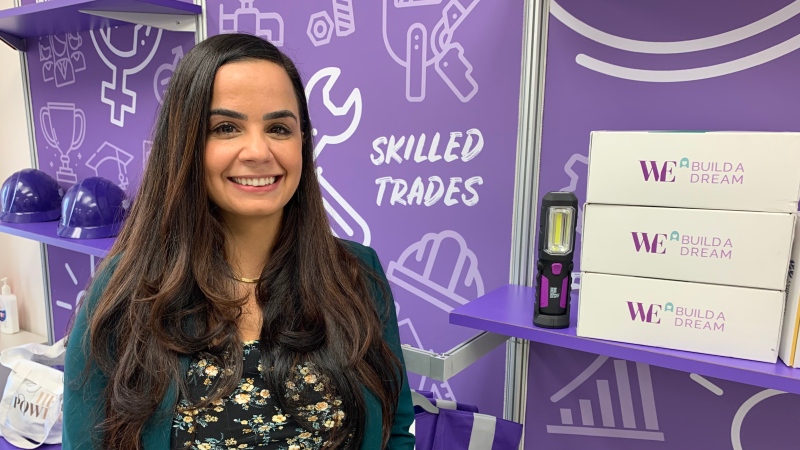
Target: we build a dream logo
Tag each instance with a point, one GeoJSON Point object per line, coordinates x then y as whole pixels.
{"type": "Point", "coordinates": [693, 246]}
{"type": "Point", "coordinates": [699, 172]}
{"type": "Point", "coordinates": [677, 316]}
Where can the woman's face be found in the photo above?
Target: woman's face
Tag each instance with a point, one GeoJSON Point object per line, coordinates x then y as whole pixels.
{"type": "Point", "coordinates": [253, 155]}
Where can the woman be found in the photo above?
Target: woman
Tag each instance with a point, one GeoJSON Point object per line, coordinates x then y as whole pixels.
{"type": "Point", "coordinates": [227, 315]}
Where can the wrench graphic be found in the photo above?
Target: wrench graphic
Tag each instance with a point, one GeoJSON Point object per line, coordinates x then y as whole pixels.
{"type": "Point", "coordinates": [353, 102]}
{"type": "Point", "coordinates": [139, 50]}
{"type": "Point", "coordinates": [345, 221]}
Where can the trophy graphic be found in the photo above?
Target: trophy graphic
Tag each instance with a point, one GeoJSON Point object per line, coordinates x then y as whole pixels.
{"type": "Point", "coordinates": [64, 127]}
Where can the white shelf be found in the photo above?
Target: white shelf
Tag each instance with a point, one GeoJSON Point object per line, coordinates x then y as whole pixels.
{"type": "Point", "coordinates": [21, 338]}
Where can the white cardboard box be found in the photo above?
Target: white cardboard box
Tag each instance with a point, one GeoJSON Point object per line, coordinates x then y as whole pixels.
{"type": "Point", "coordinates": [743, 171]}
{"type": "Point", "coordinates": [790, 351]}
{"type": "Point", "coordinates": [735, 248]}
{"type": "Point", "coordinates": [703, 318]}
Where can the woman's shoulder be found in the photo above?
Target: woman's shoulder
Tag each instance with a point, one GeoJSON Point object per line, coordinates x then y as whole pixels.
{"type": "Point", "coordinates": [99, 281]}
{"type": "Point", "coordinates": [365, 254]}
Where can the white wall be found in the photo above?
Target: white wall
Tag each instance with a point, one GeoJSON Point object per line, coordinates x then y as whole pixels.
{"type": "Point", "coordinates": [20, 259]}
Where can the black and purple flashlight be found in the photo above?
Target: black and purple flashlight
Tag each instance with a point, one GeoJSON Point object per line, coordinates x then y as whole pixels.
{"type": "Point", "coordinates": [554, 268]}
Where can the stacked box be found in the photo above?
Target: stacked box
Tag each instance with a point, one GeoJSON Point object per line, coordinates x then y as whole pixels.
{"type": "Point", "coordinates": [687, 239]}
{"type": "Point", "coordinates": [789, 351]}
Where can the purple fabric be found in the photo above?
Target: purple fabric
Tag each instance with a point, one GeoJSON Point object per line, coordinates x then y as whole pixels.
{"type": "Point", "coordinates": [459, 406]}
{"type": "Point", "coordinates": [455, 429]}
{"type": "Point", "coordinates": [452, 429]}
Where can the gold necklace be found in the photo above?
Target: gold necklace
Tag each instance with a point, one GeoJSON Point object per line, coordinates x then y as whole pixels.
{"type": "Point", "coordinates": [246, 280]}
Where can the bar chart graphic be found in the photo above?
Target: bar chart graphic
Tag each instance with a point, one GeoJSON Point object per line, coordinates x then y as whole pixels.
{"type": "Point", "coordinates": [614, 399]}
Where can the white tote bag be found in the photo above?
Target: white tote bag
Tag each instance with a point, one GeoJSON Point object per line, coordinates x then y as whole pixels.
{"type": "Point", "coordinates": [30, 410]}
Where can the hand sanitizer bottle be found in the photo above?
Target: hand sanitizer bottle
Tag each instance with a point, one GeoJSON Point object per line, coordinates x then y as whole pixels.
{"type": "Point", "coordinates": [9, 316]}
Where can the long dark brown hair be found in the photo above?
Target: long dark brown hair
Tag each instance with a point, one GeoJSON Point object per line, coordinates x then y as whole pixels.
{"type": "Point", "coordinates": [172, 294]}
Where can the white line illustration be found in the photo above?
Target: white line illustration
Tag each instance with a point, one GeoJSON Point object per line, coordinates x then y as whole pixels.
{"type": "Point", "coordinates": [464, 271]}
{"type": "Point", "coordinates": [680, 47]}
{"type": "Point", "coordinates": [625, 396]}
{"type": "Point", "coordinates": [344, 17]}
{"type": "Point", "coordinates": [268, 25]}
{"type": "Point", "coordinates": [164, 74]}
{"type": "Point", "coordinates": [45, 53]}
{"type": "Point", "coordinates": [688, 46]}
{"type": "Point", "coordinates": [447, 56]}
{"type": "Point", "coordinates": [580, 379]}
{"type": "Point", "coordinates": [699, 73]}
{"type": "Point", "coordinates": [425, 384]}
{"type": "Point", "coordinates": [353, 103]}
{"type": "Point", "coordinates": [587, 417]}
{"type": "Point", "coordinates": [648, 397]}
{"type": "Point", "coordinates": [702, 381]}
{"type": "Point", "coordinates": [412, 3]}
{"type": "Point", "coordinates": [342, 214]}
{"type": "Point", "coordinates": [64, 305]}
{"type": "Point", "coordinates": [111, 153]}
{"type": "Point", "coordinates": [71, 274]}
{"type": "Point", "coordinates": [744, 409]}
{"type": "Point", "coordinates": [345, 220]}
{"type": "Point", "coordinates": [61, 57]}
{"type": "Point", "coordinates": [741, 413]}
{"type": "Point", "coordinates": [143, 44]}
{"type": "Point", "coordinates": [64, 127]}
{"type": "Point", "coordinates": [606, 405]}
{"type": "Point", "coordinates": [82, 293]}
{"type": "Point", "coordinates": [566, 416]}
{"type": "Point", "coordinates": [610, 428]}
{"type": "Point", "coordinates": [321, 26]}
{"type": "Point", "coordinates": [576, 169]}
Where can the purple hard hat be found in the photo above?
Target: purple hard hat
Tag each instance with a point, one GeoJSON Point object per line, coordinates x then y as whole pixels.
{"type": "Point", "coordinates": [93, 208]}
{"type": "Point", "coordinates": [30, 195]}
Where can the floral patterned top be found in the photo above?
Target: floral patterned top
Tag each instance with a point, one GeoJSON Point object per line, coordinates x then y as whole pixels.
{"type": "Point", "coordinates": [249, 418]}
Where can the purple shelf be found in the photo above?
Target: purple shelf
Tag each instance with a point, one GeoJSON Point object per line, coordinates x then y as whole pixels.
{"type": "Point", "coordinates": [64, 16]}
{"type": "Point", "coordinates": [509, 311]}
{"type": "Point", "coordinates": [45, 232]}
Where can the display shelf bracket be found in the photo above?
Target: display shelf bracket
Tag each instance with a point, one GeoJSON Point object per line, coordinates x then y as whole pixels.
{"type": "Point", "coordinates": [443, 366]}
{"type": "Point", "coordinates": [46, 233]}
{"type": "Point", "coordinates": [508, 310]}
{"type": "Point", "coordinates": [13, 41]}
{"type": "Point", "coordinates": [54, 17]}
{"type": "Point", "coordinates": [169, 22]}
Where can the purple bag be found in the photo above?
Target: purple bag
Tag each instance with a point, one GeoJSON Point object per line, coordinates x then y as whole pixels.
{"type": "Point", "coordinates": [462, 428]}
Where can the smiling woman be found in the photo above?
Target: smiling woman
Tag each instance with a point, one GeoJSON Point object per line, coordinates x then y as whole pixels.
{"type": "Point", "coordinates": [227, 315]}
{"type": "Point", "coordinates": [253, 156]}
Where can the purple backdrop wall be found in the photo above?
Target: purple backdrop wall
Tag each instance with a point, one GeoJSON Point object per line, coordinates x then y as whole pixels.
{"type": "Point", "coordinates": [406, 83]}
{"type": "Point", "coordinates": [415, 107]}
{"type": "Point", "coordinates": [94, 97]}
{"type": "Point", "coordinates": [747, 84]}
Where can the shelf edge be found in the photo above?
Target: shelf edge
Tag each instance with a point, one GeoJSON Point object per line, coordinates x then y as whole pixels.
{"type": "Point", "coordinates": [13, 41]}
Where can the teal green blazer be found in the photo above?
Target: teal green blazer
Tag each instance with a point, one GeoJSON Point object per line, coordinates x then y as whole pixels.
{"type": "Point", "coordinates": [84, 408]}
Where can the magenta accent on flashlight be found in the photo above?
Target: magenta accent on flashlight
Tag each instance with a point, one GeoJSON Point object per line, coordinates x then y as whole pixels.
{"type": "Point", "coordinates": [555, 253]}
